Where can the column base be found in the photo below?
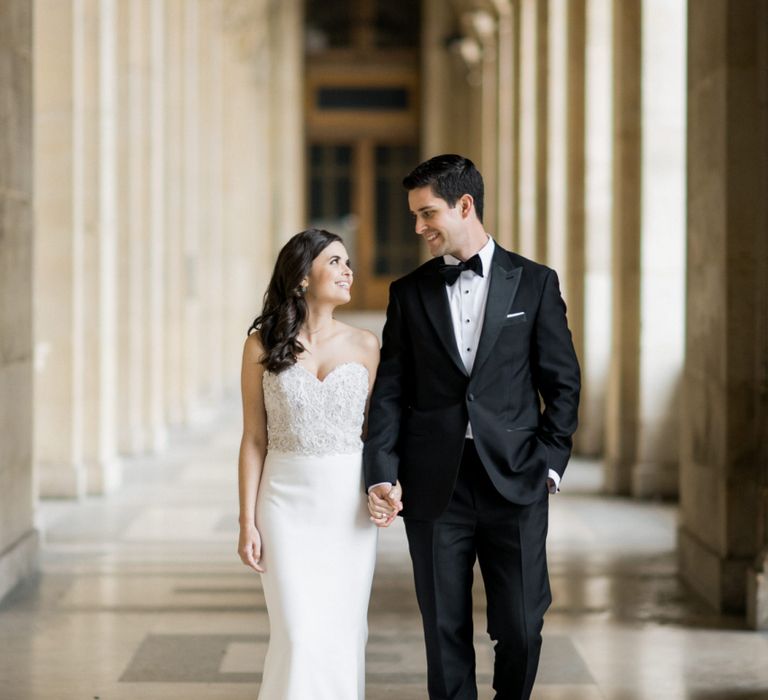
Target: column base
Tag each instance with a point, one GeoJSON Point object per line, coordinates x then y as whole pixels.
{"type": "Point", "coordinates": [104, 476]}
{"type": "Point", "coordinates": [157, 438]}
{"type": "Point", "coordinates": [18, 561]}
{"type": "Point", "coordinates": [617, 477]}
{"type": "Point", "coordinates": [134, 442]}
{"type": "Point", "coordinates": [655, 480]}
{"type": "Point", "coordinates": [757, 597]}
{"type": "Point", "coordinates": [60, 480]}
{"type": "Point", "coordinates": [720, 582]}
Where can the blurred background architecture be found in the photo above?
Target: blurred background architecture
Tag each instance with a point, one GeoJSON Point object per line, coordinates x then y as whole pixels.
{"type": "Point", "coordinates": [155, 155]}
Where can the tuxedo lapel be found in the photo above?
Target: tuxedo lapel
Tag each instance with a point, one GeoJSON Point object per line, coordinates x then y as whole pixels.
{"type": "Point", "coordinates": [435, 301]}
{"type": "Point", "coordinates": [505, 281]}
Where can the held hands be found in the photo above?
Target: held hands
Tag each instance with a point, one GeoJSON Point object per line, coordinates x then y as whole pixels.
{"type": "Point", "coordinates": [249, 547]}
{"type": "Point", "coordinates": [384, 503]}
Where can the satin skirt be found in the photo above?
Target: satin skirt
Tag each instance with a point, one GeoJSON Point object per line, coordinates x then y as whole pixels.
{"type": "Point", "coordinates": [318, 551]}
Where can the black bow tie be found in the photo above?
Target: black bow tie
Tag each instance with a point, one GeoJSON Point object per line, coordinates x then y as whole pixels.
{"type": "Point", "coordinates": [451, 273]}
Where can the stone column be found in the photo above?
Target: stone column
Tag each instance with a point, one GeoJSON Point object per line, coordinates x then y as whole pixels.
{"type": "Point", "coordinates": [722, 541]}
{"type": "Point", "coordinates": [96, 206]}
{"type": "Point", "coordinates": [287, 130]}
{"type": "Point", "coordinates": [662, 258]}
{"type": "Point", "coordinates": [175, 264]}
{"type": "Point", "coordinates": [210, 259]}
{"type": "Point", "coordinates": [622, 399]}
{"type": "Point", "coordinates": [58, 269]}
{"type": "Point", "coordinates": [437, 24]}
{"type": "Point", "coordinates": [648, 249]}
{"type": "Point", "coordinates": [247, 214]}
{"type": "Point", "coordinates": [554, 128]}
{"type": "Point", "coordinates": [18, 537]}
{"type": "Point", "coordinates": [565, 166]}
{"type": "Point", "coordinates": [485, 27]}
{"type": "Point", "coordinates": [532, 212]}
{"type": "Point", "coordinates": [191, 285]}
{"type": "Point", "coordinates": [133, 222]}
{"type": "Point", "coordinates": [757, 574]}
{"type": "Point", "coordinates": [596, 350]}
{"type": "Point", "coordinates": [154, 236]}
{"type": "Point", "coordinates": [506, 88]}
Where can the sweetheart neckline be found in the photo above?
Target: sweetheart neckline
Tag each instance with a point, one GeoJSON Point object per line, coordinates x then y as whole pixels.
{"type": "Point", "coordinates": [339, 366]}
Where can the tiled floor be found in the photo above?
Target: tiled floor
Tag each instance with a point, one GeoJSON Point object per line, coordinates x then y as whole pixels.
{"type": "Point", "coordinates": [141, 597]}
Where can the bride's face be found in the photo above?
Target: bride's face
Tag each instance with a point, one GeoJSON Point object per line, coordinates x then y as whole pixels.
{"type": "Point", "coordinates": [330, 278]}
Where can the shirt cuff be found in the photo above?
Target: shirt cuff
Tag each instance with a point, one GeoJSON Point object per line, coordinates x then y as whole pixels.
{"type": "Point", "coordinates": [555, 487]}
{"type": "Point", "coordinates": [381, 483]}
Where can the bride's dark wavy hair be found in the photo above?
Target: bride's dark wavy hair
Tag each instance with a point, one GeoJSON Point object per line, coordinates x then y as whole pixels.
{"type": "Point", "coordinates": [285, 309]}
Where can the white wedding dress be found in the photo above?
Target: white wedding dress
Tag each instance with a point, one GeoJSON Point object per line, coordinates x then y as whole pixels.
{"type": "Point", "coordinates": [318, 545]}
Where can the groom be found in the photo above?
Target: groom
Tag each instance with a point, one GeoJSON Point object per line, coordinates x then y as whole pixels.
{"type": "Point", "coordinates": [473, 410]}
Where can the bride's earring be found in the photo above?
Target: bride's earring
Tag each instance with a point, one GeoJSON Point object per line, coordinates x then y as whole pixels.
{"type": "Point", "coordinates": [303, 289]}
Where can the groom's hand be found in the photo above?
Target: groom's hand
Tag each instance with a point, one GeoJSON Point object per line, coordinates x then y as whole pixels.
{"type": "Point", "coordinates": [384, 503]}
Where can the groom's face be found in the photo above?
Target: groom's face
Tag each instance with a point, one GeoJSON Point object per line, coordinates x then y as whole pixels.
{"type": "Point", "coordinates": [442, 227]}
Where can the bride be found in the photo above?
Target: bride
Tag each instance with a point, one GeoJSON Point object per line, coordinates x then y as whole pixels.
{"type": "Point", "coordinates": [304, 524]}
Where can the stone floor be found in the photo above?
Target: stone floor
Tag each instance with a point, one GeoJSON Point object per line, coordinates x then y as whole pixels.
{"type": "Point", "coordinates": [142, 597]}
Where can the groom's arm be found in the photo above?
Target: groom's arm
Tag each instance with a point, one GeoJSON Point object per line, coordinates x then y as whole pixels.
{"type": "Point", "coordinates": [557, 375]}
{"type": "Point", "coordinates": [380, 458]}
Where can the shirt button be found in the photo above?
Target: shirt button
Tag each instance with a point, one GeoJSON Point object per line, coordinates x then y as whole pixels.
{"type": "Point", "coordinates": [467, 320]}
{"type": "Point", "coordinates": [469, 349]}
{"type": "Point", "coordinates": [466, 291]}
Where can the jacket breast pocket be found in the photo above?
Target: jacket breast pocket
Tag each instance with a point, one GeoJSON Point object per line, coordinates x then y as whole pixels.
{"type": "Point", "coordinates": [514, 318]}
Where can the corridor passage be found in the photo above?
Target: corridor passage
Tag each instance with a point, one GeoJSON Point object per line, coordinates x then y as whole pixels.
{"type": "Point", "coordinates": [142, 597]}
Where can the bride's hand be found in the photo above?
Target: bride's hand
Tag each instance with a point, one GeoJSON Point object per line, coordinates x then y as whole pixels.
{"type": "Point", "coordinates": [384, 504]}
{"type": "Point", "coordinates": [249, 547]}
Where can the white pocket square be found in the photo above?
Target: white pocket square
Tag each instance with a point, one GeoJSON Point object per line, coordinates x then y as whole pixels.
{"type": "Point", "coordinates": [518, 313]}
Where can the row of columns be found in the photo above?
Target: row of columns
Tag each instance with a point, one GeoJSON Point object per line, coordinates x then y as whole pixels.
{"type": "Point", "coordinates": [626, 147]}
{"type": "Point", "coordinates": [165, 179]}
{"type": "Point", "coordinates": [575, 112]}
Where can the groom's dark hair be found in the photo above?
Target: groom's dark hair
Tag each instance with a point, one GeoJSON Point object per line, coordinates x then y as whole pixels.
{"type": "Point", "coordinates": [450, 176]}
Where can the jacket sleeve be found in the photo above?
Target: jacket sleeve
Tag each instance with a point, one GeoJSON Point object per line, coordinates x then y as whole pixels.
{"type": "Point", "coordinates": [380, 458]}
{"type": "Point", "coordinates": [557, 375]}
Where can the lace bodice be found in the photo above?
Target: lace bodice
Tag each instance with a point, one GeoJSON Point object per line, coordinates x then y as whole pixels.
{"type": "Point", "coordinates": [312, 417]}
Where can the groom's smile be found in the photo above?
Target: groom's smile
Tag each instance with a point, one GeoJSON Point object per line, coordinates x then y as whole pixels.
{"type": "Point", "coordinates": [442, 226]}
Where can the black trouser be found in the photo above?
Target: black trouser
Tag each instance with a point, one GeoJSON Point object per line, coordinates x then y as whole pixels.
{"type": "Point", "coordinates": [509, 542]}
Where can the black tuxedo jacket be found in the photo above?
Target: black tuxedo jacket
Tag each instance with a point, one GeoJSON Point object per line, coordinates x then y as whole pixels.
{"type": "Point", "coordinates": [423, 396]}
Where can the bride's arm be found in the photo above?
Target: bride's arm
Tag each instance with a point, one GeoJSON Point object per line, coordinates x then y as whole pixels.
{"type": "Point", "coordinates": [370, 347]}
{"type": "Point", "coordinates": [253, 450]}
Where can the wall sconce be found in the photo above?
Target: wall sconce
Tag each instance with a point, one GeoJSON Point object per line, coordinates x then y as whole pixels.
{"type": "Point", "coordinates": [481, 23]}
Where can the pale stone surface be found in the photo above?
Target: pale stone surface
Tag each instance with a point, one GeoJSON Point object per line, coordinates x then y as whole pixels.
{"type": "Point", "coordinates": [175, 261]}
{"type": "Point", "coordinates": [506, 86]}
{"type": "Point", "coordinates": [723, 423]}
{"type": "Point", "coordinates": [436, 123]}
{"type": "Point", "coordinates": [589, 439]}
{"type": "Point", "coordinates": [532, 210]}
{"type": "Point", "coordinates": [287, 109]}
{"type": "Point", "coordinates": [133, 212]}
{"type": "Point", "coordinates": [95, 214]}
{"type": "Point", "coordinates": [249, 207]}
{"type": "Point", "coordinates": [566, 162]}
{"type": "Point", "coordinates": [662, 256]}
{"type": "Point", "coordinates": [622, 396]}
{"type": "Point", "coordinates": [58, 262]}
{"type": "Point", "coordinates": [131, 606]}
{"type": "Point", "coordinates": [211, 241]}
{"type": "Point", "coordinates": [154, 235]}
{"type": "Point", "coordinates": [18, 537]}
{"type": "Point", "coordinates": [757, 597]}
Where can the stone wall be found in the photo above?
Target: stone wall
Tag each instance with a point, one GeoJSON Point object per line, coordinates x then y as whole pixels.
{"type": "Point", "coordinates": [18, 538]}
